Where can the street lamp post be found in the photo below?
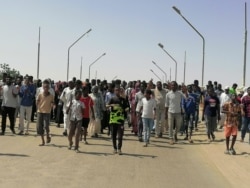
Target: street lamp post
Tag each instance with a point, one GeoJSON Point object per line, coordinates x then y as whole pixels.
{"type": "Point", "coordinates": [81, 70]}
{"type": "Point", "coordinates": [69, 51]}
{"type": "Point", "coordinates": [38, 55]}
{"type": "Point", "coordinates": [203, 39]}
{"type": "Point", "coordinates": [161, 71]}
{"type": "Point", "coordinates": [162, 47]}
{"type": "Point", "coordinates": [155, 74]}
{"type": "Point", "coordinates": [184, 76]}
{"type": "Point", "coordinates": [170, 74]}
{"type": "Point", "coordinates": [95, 62]}
{"type": "Point", "coordinates": [245, 47]}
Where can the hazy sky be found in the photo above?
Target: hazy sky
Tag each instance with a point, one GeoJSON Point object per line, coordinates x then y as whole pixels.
{"type": "Point", "coordinates": [128, 31]}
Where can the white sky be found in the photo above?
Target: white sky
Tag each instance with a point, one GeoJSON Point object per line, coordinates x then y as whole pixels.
{"type": "Point", "coordinates": [128, 31]}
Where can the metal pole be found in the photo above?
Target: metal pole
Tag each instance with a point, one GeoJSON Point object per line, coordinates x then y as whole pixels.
{"type": "Point", "coordinates": [203, 39]}
{"type": "Point", "coordinates": [245, 47]}
{"type": "Point", "coordinates": [161, 71]}
{"type": "Point", "coordinates": [184, 77]}
{"type": "Point", "coordinates": [170, 74]}
{"type": "Point", "coordinates": [155, 74]}
{"type": "Point", "coordinates": [81, 70]}
{"type": "Point", "coordinates": [38, 55]}
{"type": "Point", "coordinates": [69, 51]}
{"type": "Point", "coordinates": [161, 46]}
{"type": "Point", "coordinates": [95, 62]}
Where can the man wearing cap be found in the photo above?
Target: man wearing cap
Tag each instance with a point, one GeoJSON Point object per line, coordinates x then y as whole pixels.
{"type": "Point", "coordinates": [224, 97]}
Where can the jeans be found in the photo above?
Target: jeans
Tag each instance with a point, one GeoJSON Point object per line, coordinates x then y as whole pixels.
{"type": "Point", "coordinates": [245, 126]}
{"type": "Point", "coordinates": [196, 117]}
{"type": "Point", "coordinates": [148, 124]}
{"type": "Point", "coordinates": [189, 122]}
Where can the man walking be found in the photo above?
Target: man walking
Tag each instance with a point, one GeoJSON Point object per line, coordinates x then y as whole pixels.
{"type": "Point", "coordinates": [173, 111]}
{"type": "Point", "coordinates": [9, 105]}
{"type": "Point", "coordinates": [26, 93]}
{"type": "Point", "coordinates": [118, 107]}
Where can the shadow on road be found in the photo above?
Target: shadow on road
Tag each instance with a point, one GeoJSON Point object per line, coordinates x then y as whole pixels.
{"type": "Point", "coordinates": [13, 155]}
{"type": "Point", "coordinates": [139, 155]}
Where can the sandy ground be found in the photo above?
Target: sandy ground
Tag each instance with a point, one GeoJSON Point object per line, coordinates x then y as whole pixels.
{"type": "Point", "coordinates": [201, 164]}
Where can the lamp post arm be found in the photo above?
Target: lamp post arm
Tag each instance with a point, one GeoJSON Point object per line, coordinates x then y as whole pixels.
{"type": "Point", "coordinates": [95, 62]}
{"type": "Point", "coordinates": [155, 74]}
{"type": "Point", "coordinates": [79, 38]}
{"type": "Point", "coordinates": [69, 50]}
{"type": "Point", "coordinates": [161, 70]}
{"type": "Point", "coordinates": [203, 48]}
{"type": "Point", "coordinates": [174, 61]}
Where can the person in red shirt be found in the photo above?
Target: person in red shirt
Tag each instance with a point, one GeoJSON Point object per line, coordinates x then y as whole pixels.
{"type": "Point", "coordinates": [89, 111]}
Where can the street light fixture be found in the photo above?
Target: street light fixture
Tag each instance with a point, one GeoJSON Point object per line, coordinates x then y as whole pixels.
{"type": "Point", "coordinates": [81, 70]}
{"type": "Point", "coordinates": [203, 57]}
{"type": "Point", "coordinates": [155, 74]}
{"type": "Point", "coordinates": [162, 47]}
{"type": "Point", "coordinates": [38, 55]}
{"type": "Point", "coordinates": [184, 76]}
{"type": "Point", "coordinates": [95, 62]}
{"type": "Point", "coordinates": [69, 51]}
{"type": "Point", "coordinates": [161, 70]}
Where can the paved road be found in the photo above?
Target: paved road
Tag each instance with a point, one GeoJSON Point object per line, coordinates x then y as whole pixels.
{"type": "Point", "coordinates": [201, 164]}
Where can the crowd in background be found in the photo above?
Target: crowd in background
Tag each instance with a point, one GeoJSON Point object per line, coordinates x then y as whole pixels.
{"type": "Point", "coordinates": [148, 107]}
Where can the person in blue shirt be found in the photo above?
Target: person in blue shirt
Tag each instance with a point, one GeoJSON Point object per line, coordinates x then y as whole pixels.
{"type": "Point", "coordinates": [189, 107]}
{"type": "Point", "coordinates": [26, 93]}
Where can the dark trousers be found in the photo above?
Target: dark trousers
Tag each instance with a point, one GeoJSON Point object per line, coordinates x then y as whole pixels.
{"type": "Point", "coordinates": [11, 114]}
{"type": "Point", "coordinates": [189, 123]}
{"type": "Point", "coordinates": [105, 120]}
{"type": "Point", "coordinates": [33, 111]}
{"type": "Point", "coordinates": [196, 117]}
{"type": "Point", "coordinates": [117, 132]}
{"type": "Point", "coordinates": [75, 128]}
{"type": "Point", "coordinates": [140, 124]}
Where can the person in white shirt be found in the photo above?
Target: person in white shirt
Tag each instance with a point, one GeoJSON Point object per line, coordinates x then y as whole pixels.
{"type": "Point", "coordinates": [75, 111]}
{"type": "Point", "coordinates": [224, 97]}
{"type": "Point", "coordinates": [160, 97]}
{"type": "Point", "coordinates": [138, 97]}
{"type": "Point", "coordinates": [173, 111]}
{"type": "Point", "coordinates": [148, 106]}
{"type": "Point", "coordinates": [66, 97]}
{"type": "Point", "coordinates": [9, 105]}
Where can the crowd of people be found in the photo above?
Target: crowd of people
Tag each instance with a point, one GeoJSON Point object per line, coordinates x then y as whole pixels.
{"type": "Point", "coordinates": [91, 107]}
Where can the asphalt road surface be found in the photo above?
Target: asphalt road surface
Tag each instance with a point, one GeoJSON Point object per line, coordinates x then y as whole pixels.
{"type": "Point", "coordinates": [202, 164]}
